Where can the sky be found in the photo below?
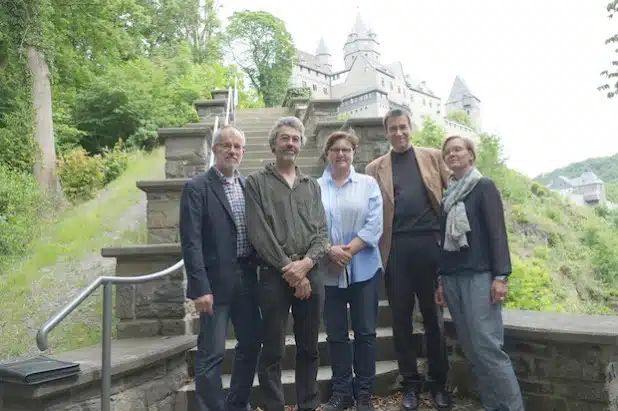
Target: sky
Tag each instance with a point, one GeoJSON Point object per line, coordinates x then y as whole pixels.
{"type": "Point", "coordinates": [533, 64]}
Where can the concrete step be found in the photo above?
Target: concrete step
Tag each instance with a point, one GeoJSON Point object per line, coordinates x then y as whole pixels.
{"type": "Point", "coordinates": [384, 320]}
{"type": "Point", "coordinates": [386, 384]}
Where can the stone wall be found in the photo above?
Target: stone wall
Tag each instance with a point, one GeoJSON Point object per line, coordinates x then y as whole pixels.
{"type": "Point", "coordinates": [145, 377]}
{"type": "Point", "coordinates": [155, 308]}
{"type": "Point", "coordinates": [563, 362]}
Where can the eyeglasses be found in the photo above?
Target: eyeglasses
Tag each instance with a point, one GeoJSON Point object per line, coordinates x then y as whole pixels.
{"type": "Point", "coordinates": [345, 150]}
{"type": "Point", "coordinates": [229, 147]}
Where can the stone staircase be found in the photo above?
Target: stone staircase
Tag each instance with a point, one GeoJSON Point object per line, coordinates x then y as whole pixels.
{"type": "Point", "coordinates": [257, 124]}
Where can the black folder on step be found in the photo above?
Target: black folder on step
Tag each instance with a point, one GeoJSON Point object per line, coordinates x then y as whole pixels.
{"type": "Point", "coordinates": [37, 370]}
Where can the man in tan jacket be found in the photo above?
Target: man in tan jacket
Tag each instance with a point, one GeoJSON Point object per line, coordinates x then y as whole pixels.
{"type": "Point", "coordinates": [412, 180]}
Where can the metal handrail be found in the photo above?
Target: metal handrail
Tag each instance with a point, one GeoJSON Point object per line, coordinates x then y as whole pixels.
{"type": "Point", "coordinates": [106, 328]}
{"type": "Point", "coordinates": [107, 282]}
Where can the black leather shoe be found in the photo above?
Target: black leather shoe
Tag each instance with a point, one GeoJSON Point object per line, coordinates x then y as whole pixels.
{"type": "Point", "coordinates": [410, 400]}
{"type": "Point", "coordinates": [364, 403]}
{"type": "Point", "coordinates": [338, 403]}
{"type": "Point", "coordinates": [442, 399]}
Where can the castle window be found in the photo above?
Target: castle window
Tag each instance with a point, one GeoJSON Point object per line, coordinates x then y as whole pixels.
{"type": "Point", "coordinates": [304, 84]}
{"type": "Point", "coordinates": [325, 91]}
{"type": "Point", "coordinates": [315, 88]}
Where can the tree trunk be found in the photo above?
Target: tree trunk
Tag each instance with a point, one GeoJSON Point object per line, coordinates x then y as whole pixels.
{"type": "Point", "coordinates": [45, 165]}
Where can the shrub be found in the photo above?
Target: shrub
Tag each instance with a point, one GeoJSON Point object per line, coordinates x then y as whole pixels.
{"type": "Point", "coordinates": [115, 162]}
{"type": "Point", "coordinates": [81, 175]}
{"type": "Point", "coordinates": [530, 286]}
{"type": "Point", "coordinates": [20, 204]}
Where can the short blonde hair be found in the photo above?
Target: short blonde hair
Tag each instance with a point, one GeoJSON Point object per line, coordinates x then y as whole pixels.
{"type": "Point", "coordinates": [468, 144]}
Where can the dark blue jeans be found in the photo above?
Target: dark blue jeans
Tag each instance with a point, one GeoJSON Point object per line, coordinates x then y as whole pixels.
{"type": "Point", "coordinates": [363, 299]}
{"type": "Point", "coordinates": [245, 315]}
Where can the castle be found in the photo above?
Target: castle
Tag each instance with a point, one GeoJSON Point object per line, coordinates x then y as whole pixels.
{"type": "Point", "coordinates": [369, 88]}
{"type": "Point", "coordinates": [587, 189]}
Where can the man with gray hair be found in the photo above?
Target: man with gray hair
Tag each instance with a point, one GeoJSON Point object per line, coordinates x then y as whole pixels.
{"type": "Point", "coordinates": [221, 274]}
{"type": "Point", "coordinates": [287, 228]}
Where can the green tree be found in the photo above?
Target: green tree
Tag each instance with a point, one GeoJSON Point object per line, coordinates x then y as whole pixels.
{"type": "Point", "coordinates": [461, 117]}
{"type": "Point", "coordinates": [173, 21]}
{"type": "Point", "coordinates": [611, 74]}
{"type": "Point", "coordinates": [263, 48]}
{"type": "Point", "coordinates": [431, 135]}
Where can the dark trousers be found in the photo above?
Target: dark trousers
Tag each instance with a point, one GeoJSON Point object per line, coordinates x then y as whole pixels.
{"type": "Point", "coordinates": [276, 298]}
{"type": "Point", "coordinates": [412, 270]}
{"type": "Point", "coordinates": [244, 312]}
{"type": "Point", "coordinates": [343, 354]}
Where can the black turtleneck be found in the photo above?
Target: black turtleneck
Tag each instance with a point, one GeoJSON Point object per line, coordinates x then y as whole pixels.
{"type": "Point", "coordinates": [411, 197]}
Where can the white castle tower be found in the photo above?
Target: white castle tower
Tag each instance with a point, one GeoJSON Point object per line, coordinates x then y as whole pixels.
{"type": "Point", "coordinates": [361, 40]}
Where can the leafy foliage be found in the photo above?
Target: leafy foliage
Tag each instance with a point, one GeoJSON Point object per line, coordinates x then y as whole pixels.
{"type": "Point", "coordinates": [612, 73]}
{"type": "Point", "coordinates": [461, 117]}
{"type": "Point", "coordinates": [81, 175]}
{"type": "Point", "coordinates": [430, 135]}
{"type": "Point", "coordinates": [263, 48]}
{"type": "Point", "coordinates": [563, 256]}
{"type": "Point", "coordinates": [20, 205]}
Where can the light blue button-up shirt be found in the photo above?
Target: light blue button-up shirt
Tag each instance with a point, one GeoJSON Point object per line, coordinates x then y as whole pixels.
{"type": "Point", "coordinates": [353, 210]}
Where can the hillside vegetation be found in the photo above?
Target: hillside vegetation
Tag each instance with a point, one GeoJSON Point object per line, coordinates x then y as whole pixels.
{"type": "Point", "coordinates": [564, 256]}
{"type": "Point", "coordinates": [606, 168]}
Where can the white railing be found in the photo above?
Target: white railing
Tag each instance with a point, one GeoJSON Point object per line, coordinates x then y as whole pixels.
{"type": "Point", "coordinates": [108, 281]}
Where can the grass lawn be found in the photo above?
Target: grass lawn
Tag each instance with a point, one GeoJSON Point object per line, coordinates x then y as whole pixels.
{"type": "Point", "coordinates": [33, 288]}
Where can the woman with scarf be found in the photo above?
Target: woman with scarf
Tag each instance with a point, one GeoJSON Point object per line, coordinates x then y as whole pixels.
{"type": "Point", "coordinates": [473, 273]}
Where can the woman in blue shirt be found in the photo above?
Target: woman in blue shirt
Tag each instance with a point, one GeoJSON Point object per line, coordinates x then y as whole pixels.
{"type": "Point", "coordinates": [351, 268]}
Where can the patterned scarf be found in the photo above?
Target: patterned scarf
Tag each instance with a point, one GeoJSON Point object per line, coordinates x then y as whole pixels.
{"type": "Point", "coordinates": [457, 224]}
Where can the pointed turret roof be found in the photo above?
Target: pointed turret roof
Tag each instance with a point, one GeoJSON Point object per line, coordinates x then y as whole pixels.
{"type": "Point", "coordinates": [459, 90]}
{"type": "Point", "coordinates": [322, 49]}
{"type": "Point", "coordinates": [359, 28]}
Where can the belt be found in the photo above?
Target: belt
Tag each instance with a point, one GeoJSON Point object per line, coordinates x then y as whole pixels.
{"type": "Point", "coordinates": [244, 260]}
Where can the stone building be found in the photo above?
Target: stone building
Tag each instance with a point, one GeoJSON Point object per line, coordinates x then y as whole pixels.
{"type": "Point", "coordinates": [587, 189]}
{"type": "Point", "coordinates": [369, 88]}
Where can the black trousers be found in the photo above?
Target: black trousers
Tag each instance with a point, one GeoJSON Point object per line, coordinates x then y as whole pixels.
{"type": "Point", "coordinates": [412, 270]}
{"type": "Point", "coordinates": [276, 298]}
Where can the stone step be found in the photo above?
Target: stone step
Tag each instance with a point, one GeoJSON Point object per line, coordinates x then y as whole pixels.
{"type": "Point", "coordinates": [256, 161]}
{"type": "Point", "coordinates": [265, 153]}
{"type": "Point", "coordinates": [263, 144]}
{"type": "Point", "coordinates": [315, 171]}
{"type": "Point", "coordinates": [385, 351]}
{"type": "Point", "coordinates": [263, 111]}
{"type": "Point", "coordinates": [384, 320]}
{"type": "Point", "coordinates": [386, 384]}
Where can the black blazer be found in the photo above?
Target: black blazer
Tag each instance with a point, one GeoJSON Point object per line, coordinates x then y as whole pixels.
{"type": "Point", "coordinates": [208, 237]}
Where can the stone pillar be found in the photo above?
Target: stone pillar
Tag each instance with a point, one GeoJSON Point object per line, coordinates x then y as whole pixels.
{"type": "Point", "coordinates": [299, 106]}
{"type": "Point", "coordinates": [162, 210]}
{"type": "Point", "coordinates": [320, 111]}
{"type": "Point", "coordinates": [372, 140]}
{"type": "Point", "coordinates": [207, 110]}
{"type": "Point", "coordinates": [186, 150]}
{"type": "Point", "coordinates": [155, 308]}
{"type": "Point", "coordinates": [219, 94]}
